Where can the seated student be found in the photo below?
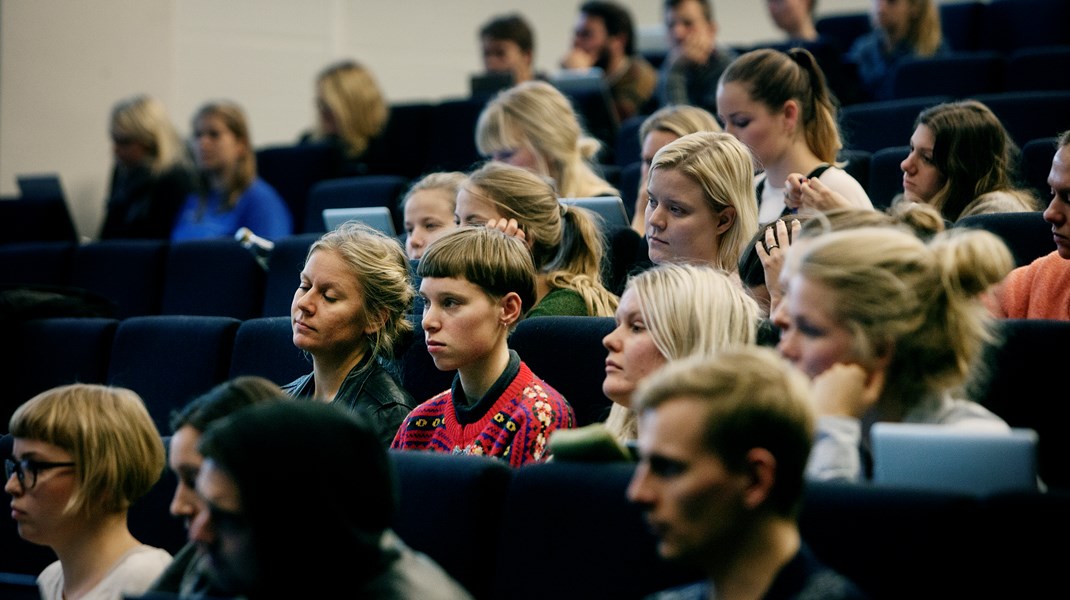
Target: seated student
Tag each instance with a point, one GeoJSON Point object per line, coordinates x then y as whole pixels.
{"type": "Point", "coordinates": [723, 444]}
{"type": "Point", "coordinates": [351, 112]}
{"type": "Point", "coordinates": [188, 575]}
{"type": "Point", "coordinates": [152, 174]}
{"type": "Point", "coordinates": [349, 315]}
{"type": "Point", "coordinates": [667, 313]}
{"type": "Point", "coordinates": [82, 455]}
{"type": "Point", "coordinates": [475, 283]}
{"type": "Point", "coordinates": [1041, 289]}
{"type": "Point", "coordinates": [695, 62]}
{"type": "Point", "coordinates": [604, 38]}
{"type": "Point", "coordinates": [428, 208]}
{"type": "Point", "coordinates": [780, 106]}
{"type": "Point", "coordinates": [232, 196]}
{"type": "Point", "coordinates": [902, 29]}
{"type": "Point", "coordinates": [889, 328]}
{"type": "Point", "coordinates": [795, 18]}
{"type": "Point", "coordinates": [534, 126]}
{"type": "Point", "coordinates": [338, 540]}
{"type": "Point", "coordinates": [665, 125]}
{"type": "Point", "coordinates": [701, 205]}
{"type": "Point", "coordinates": [508, 45]}
{"type": "Point", "coordinates": [565, 242]}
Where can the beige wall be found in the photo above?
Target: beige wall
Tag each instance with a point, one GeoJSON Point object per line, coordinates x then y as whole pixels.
{"type": "Point", "coordinates": [63, 63]}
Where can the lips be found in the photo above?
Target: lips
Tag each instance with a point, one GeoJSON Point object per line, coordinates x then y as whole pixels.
{"type": "Point", "coordinates": [301, 327]}
{"type": "Point", "coordinates": [612, 366]}
{"type": "Point", "coordinates": [435, 346]}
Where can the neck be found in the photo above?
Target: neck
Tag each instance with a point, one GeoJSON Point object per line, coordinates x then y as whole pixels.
{"type": "Point", "coordinates": [542, 287]}
{"type": "Point", "coordinates": [805, 31]}
{"type": "Point", "coordinates": [755, 560]}
{"type": "Point", "coordinates": [476, 378]}
{"type": "Point", "coordinates": [328, 372]}
{"type": "Point", "coordinates": [94, 551]}
{"type": "Point", "coordinates": [797, 159]}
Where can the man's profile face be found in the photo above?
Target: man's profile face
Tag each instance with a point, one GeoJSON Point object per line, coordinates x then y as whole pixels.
{"type": "Point", "coordinates": [693, 503]}
{"type": "Point", "coordinates": [591, 37]}
{"type": "Point", "coordinates": [221, 531]}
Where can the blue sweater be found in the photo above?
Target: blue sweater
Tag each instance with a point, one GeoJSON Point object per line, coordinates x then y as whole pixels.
{"type": "Point", "coordinates": [260, 208]}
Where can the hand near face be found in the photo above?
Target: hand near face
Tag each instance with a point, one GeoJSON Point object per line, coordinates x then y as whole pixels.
{"type": "Point", "coordinates": [509, 226]}
{"type": "Point", "coordinates": [846, 390]}
{"type": "Point", "coordinates": [771, 252]}
{"type": "Point", "coordinates": [578, 59]}
{"type": "Point", "coordinates": [695, 48]}
{"type": "Point", "coordinates": [804, 192]}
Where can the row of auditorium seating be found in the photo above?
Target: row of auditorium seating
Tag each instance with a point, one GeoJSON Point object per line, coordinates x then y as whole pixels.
{"type": "Point", "coordinates": [170, 359]}
{"type": "Point", "coordinates": [566, 530]}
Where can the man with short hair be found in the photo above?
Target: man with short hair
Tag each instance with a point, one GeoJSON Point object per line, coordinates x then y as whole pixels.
{"type": "Point", "coordinates": [605, 38]}
{"type": "Point", "coordinates": [695, 62]}
{"type": "Point", "coordinates": [1041, 289]}
{"type": "Point", "coordinates": [508, 46]}
{"type": "Point", "coordinates": [723, 445]}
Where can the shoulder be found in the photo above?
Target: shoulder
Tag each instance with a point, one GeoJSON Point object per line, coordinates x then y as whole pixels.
{"type": "Point", "coordinates": [299, 386]}
{"type": "Point", "coordinates": [842, 182]}
{"type": "Point", "coordinates": [1000, 201]}
{"type": "Point", "coordinates": [560, 302]}
{"type": "Point", "coordinates": [414, 575]}
{"type": "Point", "coordinates": [806, 577]}
{"type": "Point", "coordinates": [261, 189]}
{"type": "Point", "coordinates": [145, 557]}
{"type": "Point", "coordinates": [692, 591]}
{"type": "Point", "coordinates": [381, 385]}
{"type": "Point", "coordinates": [945, 409]}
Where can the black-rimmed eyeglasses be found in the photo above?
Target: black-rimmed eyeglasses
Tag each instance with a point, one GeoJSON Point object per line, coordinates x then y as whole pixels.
{"type": "Point", "coordinates": [31, 467]}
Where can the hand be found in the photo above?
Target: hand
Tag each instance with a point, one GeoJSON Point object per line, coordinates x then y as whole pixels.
{"type": "Point", "coordinates": [509, 226]}
{"type": "Point", "coordinates": [694, 49]}
{"type": "Point", "coordinates": [578, 59]}
{"type": "Point", "coordinates": [771, 252]}
{"type": "Point", "coordinates": [846, 390]}
{"type": "Point", "coordinates": [804, 192]}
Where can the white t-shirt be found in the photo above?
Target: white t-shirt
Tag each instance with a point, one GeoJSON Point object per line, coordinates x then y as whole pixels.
{"type": "Point", "coordinates": [771, 204]}
{"type": "Point", "coordinates": [131, 575]}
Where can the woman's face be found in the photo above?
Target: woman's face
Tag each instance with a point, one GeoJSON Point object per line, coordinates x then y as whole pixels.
{"type": "Point", "coordinates": [473, 208]}
{"type": "Point", "coordinates": [522, 156]}
{"type": "Point", "coordinates": [38, 508]}
{"type": "Point", "coordinates": [895, 17]}
{"type": "Point", "coordinates": [632, 356]}
{"type": "Point", "coordinates": [428, 216]}
{"type": "Point", "coordinates": [680, 225]}
{"type": "Point", "coordinates": [128, 151]}
{"type": "Point", "coordinates": [767, 134]}
{"type": "Point", "coordinates": [185, 461]}
{"type": "Point", "coordinates": [921, 179]}
{"type": "Point", "coordinates": [328, 312]}
{"type": "Point", "coordinates": [217, 149]}
{"type": "Point", "coordinates": [812, 337]}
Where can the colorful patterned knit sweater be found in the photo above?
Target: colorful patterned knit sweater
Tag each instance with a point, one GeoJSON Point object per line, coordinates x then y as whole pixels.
{"type": "Point", "coordinates": [512, 421]}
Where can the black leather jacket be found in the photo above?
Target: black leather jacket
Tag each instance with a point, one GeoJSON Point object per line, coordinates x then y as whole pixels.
{"type": "Point", "coordinates": [370, 391]}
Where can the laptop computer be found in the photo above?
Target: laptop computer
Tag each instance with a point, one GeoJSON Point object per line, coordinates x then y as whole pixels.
{"type": "Point", "coordinates": [378, 217]}
{"type": "Point", "coordinates": [40, 187]}
{"type": "Point", "coordinates": [609, 209]}
{"type": "Point", "coordinates": [954, 459]}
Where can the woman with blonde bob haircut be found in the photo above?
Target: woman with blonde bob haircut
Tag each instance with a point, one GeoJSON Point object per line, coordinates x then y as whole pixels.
{"type": "Point", "coordinates": [349, 314]}
{"type": "Point", "coordinates": [532, 125]}
{"type": "Point", "coordinates": [889, 328]}
{"type": "Point", "coordinates": [350, 106]}
{"type": "Point", "coordinates": [82, 455]}
{"type": "Point", "coordinates": [667, 313]}
{"type": "Point", "coordinates": [665, 125]}
{"type": "Point", "coordinates": [701, 204]}
{"type": "Point", "coordinates": [565, 242]}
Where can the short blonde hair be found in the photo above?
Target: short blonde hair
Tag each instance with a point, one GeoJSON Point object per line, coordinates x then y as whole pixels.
{"type": "Point", "coordinates": [723, 168]}
{"type": "Point", "coordinates": [144, 120]}
{"type": "Point", "coordinates": [447, 181]}
{"type": "Point", "coordinates": [117, 451]}
{"type": "Point", "coordinates": [752, 399]}
{"type": "Point", "coordinates": [381, 270]}
{"type": "Point", "coordinates": [537, 116]}
{"type": "Point", "coordinates": [351, 93]}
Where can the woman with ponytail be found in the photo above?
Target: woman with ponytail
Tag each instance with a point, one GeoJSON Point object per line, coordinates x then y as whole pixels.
{"type": "Point", "coordinates": [889, 328]}
{"type": "Point", "coordinates": [565, 242]}
{"type": "Point", "coordinates": [779, 105]}
{"type": "Point", "coordinates": [533, 125]}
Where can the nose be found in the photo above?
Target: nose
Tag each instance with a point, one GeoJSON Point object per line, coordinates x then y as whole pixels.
{"type": "Point", "coordinates": [303, 303]}
{"type": "Point", "coordinates": [907, 166]}
{"type": "Point", "coordinates": [1053, 214]}
{"type": "Point", "coordinates": [429, 322]}
{"type": "Point", "coordinates": [12, 487]}
{"type": "Point", "coordinates": [184, 503]}
{"type": "Point", "coordinates": [676, 32]}
{"type": "Point", "coordinates": [639, 490]}
{"type": "Point", "coordinates": [655, 217]}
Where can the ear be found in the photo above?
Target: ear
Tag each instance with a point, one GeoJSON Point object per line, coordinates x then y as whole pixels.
{"type": "Point", "coordinates": [883, 353]}
{"type": "Point", "coordinates": [791, 113]}
{"type": "Point", "coordinates": [511, 308]}
{"type": "Point", "coordinates": [725, 219]}
{"type": "Point", "coordinates": [761, 476]}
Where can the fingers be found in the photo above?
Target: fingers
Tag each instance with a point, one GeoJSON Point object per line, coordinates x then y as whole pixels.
{"type": "Point", "coordinates": [507, 226]}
